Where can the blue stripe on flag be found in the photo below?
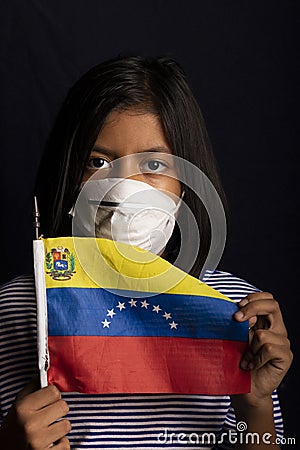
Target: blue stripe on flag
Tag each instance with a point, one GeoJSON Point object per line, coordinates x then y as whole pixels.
{"type": "Point", "coordinates": [98, 312]}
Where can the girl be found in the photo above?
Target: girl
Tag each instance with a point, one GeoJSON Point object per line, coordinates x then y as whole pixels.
{"type": "Point", "coordinates": [122, 107]}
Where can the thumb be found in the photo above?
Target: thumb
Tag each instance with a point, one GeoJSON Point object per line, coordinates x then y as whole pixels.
{"type": "Point", "coordinates": [32, 386]}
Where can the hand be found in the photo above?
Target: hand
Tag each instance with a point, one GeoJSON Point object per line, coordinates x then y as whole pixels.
{"type": "Point", "coordinates": [31, 422]}
{"type": "Point", "coordinates": [269, 356]}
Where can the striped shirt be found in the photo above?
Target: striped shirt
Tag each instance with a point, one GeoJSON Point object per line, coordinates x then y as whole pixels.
{"type": "Point", "coordinates": [115, 421]}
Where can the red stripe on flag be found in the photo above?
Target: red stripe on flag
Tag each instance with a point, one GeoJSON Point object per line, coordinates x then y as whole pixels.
{"type": "Point", "coordinates": [108, 364]}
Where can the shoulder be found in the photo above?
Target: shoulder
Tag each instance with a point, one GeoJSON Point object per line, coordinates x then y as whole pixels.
{"type": "Point", "coordinates": [228, 284]}
{"type": "Point", "coordinates": [21, 288]}
{"type": "Point", "coordinates": [21, 280]}
{"type": "Point", "coordinates": [17, 310]}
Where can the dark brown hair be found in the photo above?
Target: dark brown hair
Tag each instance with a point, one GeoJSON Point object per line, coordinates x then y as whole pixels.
{"type": "Point", "coordinates": [121, 83]}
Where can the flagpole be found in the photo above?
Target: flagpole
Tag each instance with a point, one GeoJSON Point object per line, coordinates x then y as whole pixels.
{"type": "Point", "coordinates": [40, 287]}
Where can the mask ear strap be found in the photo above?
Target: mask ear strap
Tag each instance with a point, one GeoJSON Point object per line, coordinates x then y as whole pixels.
{"type": "Point", "coordinates": [71, 213]}
{"type": "Point", "coordinates": [179, 202]}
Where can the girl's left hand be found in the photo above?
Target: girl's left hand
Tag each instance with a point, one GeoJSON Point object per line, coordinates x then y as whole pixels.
{"type": "Point", "coordinates": [269, 356]}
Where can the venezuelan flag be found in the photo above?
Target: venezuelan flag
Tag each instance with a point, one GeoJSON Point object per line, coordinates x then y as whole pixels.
{"type": "Point", "coordinates": [123, 320]}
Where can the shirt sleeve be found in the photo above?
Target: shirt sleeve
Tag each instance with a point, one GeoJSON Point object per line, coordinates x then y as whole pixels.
{"type": "Point", "coordinates": [18, 347]}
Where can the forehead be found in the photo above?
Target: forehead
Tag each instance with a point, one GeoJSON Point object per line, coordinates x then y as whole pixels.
{"type": "Point", "coordinates": [131, 131]}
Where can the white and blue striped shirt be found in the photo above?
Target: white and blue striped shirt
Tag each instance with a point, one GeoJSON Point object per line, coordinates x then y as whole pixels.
{"type": "Point", "coordinates": [115, 421]}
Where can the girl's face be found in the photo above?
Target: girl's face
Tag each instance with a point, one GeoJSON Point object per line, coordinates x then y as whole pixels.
{"type": "Point", "coordinates": [140, 135]}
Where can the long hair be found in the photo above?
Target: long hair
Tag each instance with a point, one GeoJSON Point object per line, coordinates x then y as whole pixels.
{"type": "Point", "coordinates": [158, 85]}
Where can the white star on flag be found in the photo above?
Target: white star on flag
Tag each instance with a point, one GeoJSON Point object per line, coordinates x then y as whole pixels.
{"type": "Point", "coordinates": [121, 306]}
{"type": "Point", "coordinates": [132, 303]}
{"type": "Point", "coordinates": [105, 323]}
{"type": "Point", "coordinates": [167, 316]}
{"type": "Point", "coordinates": [111, 313]}
{"type": "Point", "coordinates": [156, 309]}
{"type": "Point", "coordinates": [173, 325]}
{"type": "Point", "coordinates": [145, 304]}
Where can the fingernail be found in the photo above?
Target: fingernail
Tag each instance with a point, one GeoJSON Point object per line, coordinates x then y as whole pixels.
{"type": "Point", "coordinates": [251, 322]}
{"type": "Point", "coordinates": [244, 364]}
{"type": "Point", "coordinates": [243, 302]}
{"type": "Point", "coordinates": [239, 315]}
{"type": "Point", "coordinates": [250, 366]}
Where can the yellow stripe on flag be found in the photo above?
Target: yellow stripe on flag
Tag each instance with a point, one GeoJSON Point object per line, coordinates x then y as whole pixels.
{"type": "Point", "coordinates": [85, 262]}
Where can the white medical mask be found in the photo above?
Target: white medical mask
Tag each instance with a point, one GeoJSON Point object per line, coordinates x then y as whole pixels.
{"type": "Point", "coordinates": [124, 210]}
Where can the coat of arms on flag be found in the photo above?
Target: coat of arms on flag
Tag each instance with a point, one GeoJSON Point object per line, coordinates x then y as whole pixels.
{"type": "Point", "coordinates": [124, 326]}
{"type": "Point", "coordinates": [60, 263]}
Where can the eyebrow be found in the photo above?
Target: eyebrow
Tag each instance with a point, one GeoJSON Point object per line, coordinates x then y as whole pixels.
{"type": "Point", "coordinates": [109, 152]}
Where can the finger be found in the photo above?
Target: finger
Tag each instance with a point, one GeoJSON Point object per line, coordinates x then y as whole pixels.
{"type": "Point", "coordinates": [62, 444]}
{"type": "Point", "coordinates": [57, 431]}
{"type": "Point", "coordinates": [278, 355]}
{"type": "Point", "coordinates": [268, 308]}
{"type": "Point", "coordinates": [260, 338]}
{"type": "Point", "coordinates": [32, 386]}
{"type": "Point", "coordinates": [53, 412]}
{"type": "Point", "coordinates": [41, 398]}
{"type": "Point", "coordinates": [258, 296]}
{"type": "Point", "coordinates": [246, 361]}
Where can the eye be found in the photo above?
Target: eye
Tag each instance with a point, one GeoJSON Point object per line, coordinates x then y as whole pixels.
{"type": "Point", "coordinates": [153, 166]}
{"type": "Point", "coordinates": [96, 163]}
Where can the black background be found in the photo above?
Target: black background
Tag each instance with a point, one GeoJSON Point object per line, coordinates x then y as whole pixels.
{"type": "Point", "coordinates": [241, 60]}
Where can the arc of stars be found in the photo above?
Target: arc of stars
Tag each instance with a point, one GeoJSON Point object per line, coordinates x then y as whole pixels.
{"type": "Point", "coordinates": [143, 304]}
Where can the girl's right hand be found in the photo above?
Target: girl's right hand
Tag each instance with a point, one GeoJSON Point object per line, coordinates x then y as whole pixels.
{"type": "Point", "coordinates": [31, 421]}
